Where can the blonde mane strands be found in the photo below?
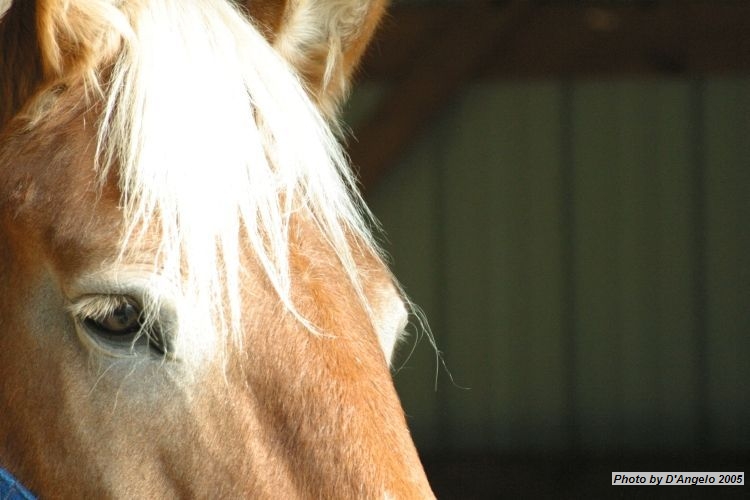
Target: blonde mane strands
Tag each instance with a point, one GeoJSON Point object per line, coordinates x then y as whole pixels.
{"type": "Point", "coordinates": [214, 137]}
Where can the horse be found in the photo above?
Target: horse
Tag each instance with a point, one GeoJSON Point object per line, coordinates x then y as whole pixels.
{"type": "Point", "coordinates": [193, 299]}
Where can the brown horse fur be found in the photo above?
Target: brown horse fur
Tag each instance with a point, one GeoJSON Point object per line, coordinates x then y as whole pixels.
{"type": "Point", "coordinates": [285, 412]}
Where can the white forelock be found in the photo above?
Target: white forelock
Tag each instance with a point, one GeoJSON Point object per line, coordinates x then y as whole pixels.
{"type": "Point", "coordinates": [214, 137]}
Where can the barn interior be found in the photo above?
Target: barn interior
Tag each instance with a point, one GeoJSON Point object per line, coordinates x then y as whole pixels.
{"type": "Point", "coordinates": [563, 187]}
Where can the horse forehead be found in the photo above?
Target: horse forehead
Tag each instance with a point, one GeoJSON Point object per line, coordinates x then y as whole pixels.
{"type": "Point", "coordinates": [392, 318]}
{"type": "Point", "coordinates": [49, 193]}
{"type": "Point", "coordinates": [390, 313]}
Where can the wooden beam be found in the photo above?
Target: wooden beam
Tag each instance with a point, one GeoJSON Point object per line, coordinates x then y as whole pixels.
{"type": "Point", "coordinates": [454, 53]}
{"type": "Point", "coordinates": [565, 39]}
{"type": "Point", "coordinates": [666, 38]}
{"type": "Point", "coordinates": [427, 53]}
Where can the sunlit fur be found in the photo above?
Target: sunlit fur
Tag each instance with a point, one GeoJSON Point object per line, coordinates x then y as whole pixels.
{"type": "Point", "coordinates": [267, 154]}
{"type": "Point", "coordinates": [163, 153]}
{"type": "Point", "coordinates": [322, 38]}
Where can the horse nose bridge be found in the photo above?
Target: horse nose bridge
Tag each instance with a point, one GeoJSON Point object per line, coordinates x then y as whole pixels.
{"type": "Point", "coordinates": [325, 406]}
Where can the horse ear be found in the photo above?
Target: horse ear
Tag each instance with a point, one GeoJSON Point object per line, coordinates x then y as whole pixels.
{"type": "Point", "coordinates": [76, 35]}
{"type": "Point", "coordinates": [322, 39]}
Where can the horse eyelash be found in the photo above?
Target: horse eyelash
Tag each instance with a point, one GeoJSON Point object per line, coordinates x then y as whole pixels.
{"type": "Point", "coordinates": [97, 307]}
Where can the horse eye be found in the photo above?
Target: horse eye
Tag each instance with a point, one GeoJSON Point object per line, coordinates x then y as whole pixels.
{"type": "Point", "coordinates": [122, 323]}
{"type": "Point", "coordinates": [124, 319]}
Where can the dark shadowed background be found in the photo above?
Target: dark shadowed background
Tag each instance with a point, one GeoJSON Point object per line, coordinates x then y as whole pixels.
{"type": "Point", "coordinates": [565, 188]}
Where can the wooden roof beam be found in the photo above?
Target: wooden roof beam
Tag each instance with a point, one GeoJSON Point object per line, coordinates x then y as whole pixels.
{"type": "Point", "coordinates": [427, 53]}
{"type": "Point", "coordinates": [451, 58]}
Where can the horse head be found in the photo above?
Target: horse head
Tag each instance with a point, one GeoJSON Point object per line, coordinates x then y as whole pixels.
{"type": "Point", "coordinates": [192, 300]}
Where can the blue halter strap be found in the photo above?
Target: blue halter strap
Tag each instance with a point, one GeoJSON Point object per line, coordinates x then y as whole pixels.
{"type": "Point", "coordinates": [11, 489]}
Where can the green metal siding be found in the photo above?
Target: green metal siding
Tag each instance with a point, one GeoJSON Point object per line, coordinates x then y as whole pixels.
{"type": "Point", "coordinates": [727, 247]}
{"type": "Point", "coordinates": [582, 251]}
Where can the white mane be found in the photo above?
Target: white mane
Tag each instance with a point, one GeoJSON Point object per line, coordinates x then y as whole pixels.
{"type": "Point", "coordinates": [214, 138]}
